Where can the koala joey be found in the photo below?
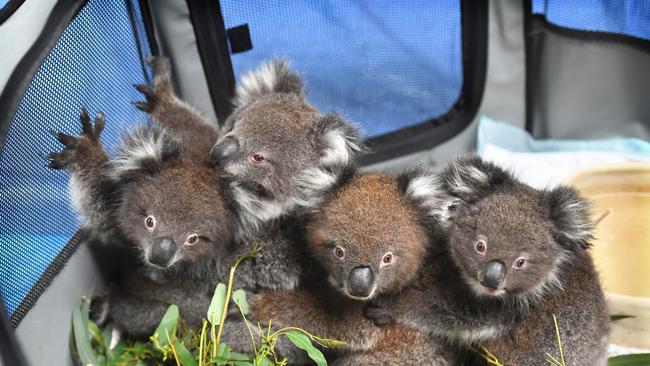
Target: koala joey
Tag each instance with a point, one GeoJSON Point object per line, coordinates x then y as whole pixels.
{"type": "Point", "coordinates": [369, 240]}
{"type": "Point", "coordinates": [278, 151]}
{"type": "Point", "coordinates": [94, 193]}
{"type": "Point", "coordinates": [166, 205]}
{"type": "Point", "coordinates": [514, 256]}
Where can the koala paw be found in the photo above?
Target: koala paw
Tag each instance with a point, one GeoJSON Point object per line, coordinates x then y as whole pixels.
{"type": "Point", "coordinates": [99, 310]}
{"type": "Point", "coordinates": [162, 86]}
{"type": "Point", "coordinates": [378, 314]}
{"type": "Point", "coordinates": [83, 151]}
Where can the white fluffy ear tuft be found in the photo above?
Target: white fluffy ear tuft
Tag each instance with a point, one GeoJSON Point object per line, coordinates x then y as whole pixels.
{"type": "Point", "coordinates": [144, 150]}
{"type": "Point", "coordinates": [272, 77]}
{"type": "Point", "coordinates": [341, 141]}
{"type": "Point", "coordinates": [470, 177]}
{"type": "Point", "coordinates": [424, 188]}
{"type": "Point", "coordinates": [571, 216]}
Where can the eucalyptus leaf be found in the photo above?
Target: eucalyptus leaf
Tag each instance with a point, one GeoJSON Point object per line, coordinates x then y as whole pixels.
{"type": "Point", "coordinates": [239, 297]}
{"type": "Point", "coordinates": [96, 335]}
{"type": "Point", "coordinates": [87, 355]}
{"type": "Point", "coordinates": [216, 305]}
{"type": "Point", "coordinates": [184, 356]}
{"type": "Point", "coordinates": [224, 351]}
{"type": "Point", "coordinates": [265, 362]}
{"type": "Point", "coordinates": [620, 317]}
{"type": "Point", "coordinates": [107, 334]}
{"type": "Point", "coordinates": [641, 359]}
{"type": "Point", "coordinates": [236, 356]}
{"type": "Point", "coordinates": [304, 343]}
{"type": "Point", "coordinates": [167, 327]}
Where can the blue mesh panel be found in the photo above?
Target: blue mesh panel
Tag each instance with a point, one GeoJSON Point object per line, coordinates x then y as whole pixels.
{"type": "Point", "coordinates": [384, 64]}
{"type": "Point", "coordinates": [630, 17]}
{"type": "Point", "coordinates": [93, 64]}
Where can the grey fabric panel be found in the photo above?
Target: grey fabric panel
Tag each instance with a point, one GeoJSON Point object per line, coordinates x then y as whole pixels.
{"type": "Point", "coordinates": [503, 98]}
{"type": "Point", "coordinates": [587, 89]}
{"type": "Point", "coordinates": [177, 41]}
{"type": "Point", "coordinates": [44, 333]}
{"type": "Point", "coordinates": [18, 33]}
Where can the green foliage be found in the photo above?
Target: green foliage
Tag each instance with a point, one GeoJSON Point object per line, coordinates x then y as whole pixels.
{"type": "Point", "coordinates": [302, 341]}
{"type": "Point", "coordinates": [82, 334]}
{"type": "Point", "coordinates": [166, 327]}
{"type": "Point", "coordinates": [642, 359]}
{"type": "Point", "coordinates": [173, 344]}
{"type": "Point", "coordinates": [216, 305]}
{"type": "Point", "coordinates": [620, 317]}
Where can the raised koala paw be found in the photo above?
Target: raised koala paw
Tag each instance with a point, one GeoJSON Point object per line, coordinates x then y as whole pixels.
{"type": "Point", "coordinates": [379, 314]}
{"type": "Point", "coordinates": [162, 85]}
{"type": "Point", "coordinates": [99, 310]}
{"type": "Point", "coordinates": [80, 152]}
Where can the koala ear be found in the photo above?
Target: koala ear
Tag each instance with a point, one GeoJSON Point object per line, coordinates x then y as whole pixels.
{"type": "Point", "coordinates": [144, 151]}
{"type": "Point", "coordinates": [570, 215]}
{"type": "Point", "coordinates": [340, 140]}
{"type": "Point", "coordinates": [470, 178]}
{"type": "Point", "coordinates": [424, 189]}
{"type": "Point", "coordinates": [272, 77]}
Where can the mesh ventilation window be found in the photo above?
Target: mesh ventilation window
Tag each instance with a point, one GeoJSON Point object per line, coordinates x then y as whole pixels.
{"type": "Point", "coordinates": [94, 64]}
{"type": "Point", "coordinates": [385, 65]}
{"type": "Point", "coordinates": [629, 17]}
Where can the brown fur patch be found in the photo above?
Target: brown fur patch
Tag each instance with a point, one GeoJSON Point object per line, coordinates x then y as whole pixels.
{"type": "Point", "coordinates": [372, 216]}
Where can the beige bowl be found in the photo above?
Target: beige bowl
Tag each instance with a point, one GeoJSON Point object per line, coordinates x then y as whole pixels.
{"type": "Point", "coordinates": [621, 251]}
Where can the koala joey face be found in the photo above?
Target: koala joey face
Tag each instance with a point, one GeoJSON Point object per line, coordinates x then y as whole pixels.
{"type": "Point", "coordinates": [368, 238]}
{"type": "Point", "coordinates": [504, 245]}
{"type": "Point", "coordinates": [271, 140]}
{"type": "Point", "coordinates": [176, 217]}
{"type": "Point", "coordinates": [277, 151]}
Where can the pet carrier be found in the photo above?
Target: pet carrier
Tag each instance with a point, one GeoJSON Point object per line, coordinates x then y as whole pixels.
{"type": "Point", "coordinates": [416, 76]}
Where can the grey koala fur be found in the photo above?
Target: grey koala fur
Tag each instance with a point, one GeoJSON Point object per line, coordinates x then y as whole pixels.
{"type": "Point", "coordinates": [510, 257]}
{"type": "Point", "coordinates": [278, 151]}
{"type": "Point", "coordinates": [365, 224]}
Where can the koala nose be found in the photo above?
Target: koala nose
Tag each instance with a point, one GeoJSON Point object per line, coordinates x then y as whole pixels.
{"type": "Point", "coordinates": [361, 280]}
{"type": "Point", "coordinates": [224, 149]}
{"type": "Point", "coordinates": [493, 274]}
{"type": "Point", "coordinates": [162, 251]}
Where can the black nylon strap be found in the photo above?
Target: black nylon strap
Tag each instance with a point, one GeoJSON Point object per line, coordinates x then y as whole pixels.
{"type": "Point", "coordinates": [212, 42]}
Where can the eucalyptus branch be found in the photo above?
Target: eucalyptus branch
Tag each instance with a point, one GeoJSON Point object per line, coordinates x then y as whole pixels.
{"type": "Point", "coordinates": [231, 278]}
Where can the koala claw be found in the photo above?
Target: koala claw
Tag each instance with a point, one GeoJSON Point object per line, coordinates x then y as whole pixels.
{"type": "Point", "coordinates": [76, 148]}
{"type": "Point", "coordinates": [161, 90]}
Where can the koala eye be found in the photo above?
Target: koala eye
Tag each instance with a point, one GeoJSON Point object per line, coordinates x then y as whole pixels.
{"type": "Point", "coordinates": [192, 239]}
{"type": "Point", "coordinates": [339, 252]}
{"type": "Point", "coordinates": [481, 247]}
{"type": "Point", "coordinates": [150, 222]}
{"type": "Point", "coordinates": [257, 158]}
{"type": "Point", "coordinates": [519, 263]}
{"type": "Point", "coordinates": [387, 259]}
